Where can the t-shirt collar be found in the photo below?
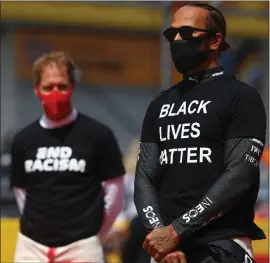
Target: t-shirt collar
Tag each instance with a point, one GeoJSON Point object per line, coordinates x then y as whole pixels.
{"type": "Point", "coordinates": [49, 124]}
{"type": "Point", "coordinates": [204, 75]}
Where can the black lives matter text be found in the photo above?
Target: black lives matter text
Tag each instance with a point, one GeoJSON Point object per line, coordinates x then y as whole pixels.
{"type": "Point", "coordinates": [183, 131]}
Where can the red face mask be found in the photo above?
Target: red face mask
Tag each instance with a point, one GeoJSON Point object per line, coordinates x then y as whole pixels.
{"type": "Point", "coordinates": [56, 104]}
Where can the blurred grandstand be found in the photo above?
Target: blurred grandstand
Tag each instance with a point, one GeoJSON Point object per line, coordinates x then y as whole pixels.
{"type": "Point", "coordinates": [123, 64]}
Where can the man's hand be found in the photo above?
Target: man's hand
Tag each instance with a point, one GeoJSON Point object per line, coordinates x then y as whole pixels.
{"type": "Point", "coordinates": [160, 242]}
{"type": "Point", "coordinates": [175, 257]}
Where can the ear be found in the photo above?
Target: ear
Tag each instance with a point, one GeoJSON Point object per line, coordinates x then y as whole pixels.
{"type": "Point", "coordinates": [216, 42]}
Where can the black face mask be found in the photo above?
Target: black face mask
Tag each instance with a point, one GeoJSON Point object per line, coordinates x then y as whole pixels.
{"type": "Point", "coordinates": [186, 54]}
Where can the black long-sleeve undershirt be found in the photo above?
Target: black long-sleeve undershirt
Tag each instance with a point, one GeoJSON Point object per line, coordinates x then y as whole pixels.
{"type": "Point", "coordinates": [242, 157]}
{"type": "Point", "coordinates": [145, 194]}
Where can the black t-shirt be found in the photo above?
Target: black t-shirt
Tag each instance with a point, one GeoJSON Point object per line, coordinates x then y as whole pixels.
{"type": "Point", "coordinates": [190, 124]}
{"type": "Point", "coordinates": [62, 171]}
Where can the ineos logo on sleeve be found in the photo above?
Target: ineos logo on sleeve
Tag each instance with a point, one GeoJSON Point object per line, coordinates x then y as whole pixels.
{"type": "Point", "coordinates": [197, 210]}
{"type": "Point", "coordinates": [54, 159]}
{"type": "Point", "coordinates": [151, 216]}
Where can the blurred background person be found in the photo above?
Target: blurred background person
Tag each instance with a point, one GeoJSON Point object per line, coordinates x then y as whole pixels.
{"type": "Point", "coordinates": [123, 63]}
{"type": "Point", "coordinates": [128, 233]}
{"type": "Point", "coordinates": [59, 164]}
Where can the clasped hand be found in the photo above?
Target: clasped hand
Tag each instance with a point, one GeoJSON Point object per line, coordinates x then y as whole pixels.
{"type": "Point", "coordinates": [161, 242]}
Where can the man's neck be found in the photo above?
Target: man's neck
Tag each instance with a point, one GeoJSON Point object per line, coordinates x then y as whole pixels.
{"type": "Point", "coordinates": [206, 66]}
{"type": "Point", "coordinates": [46, 123]}
{"type": "Point", "coordinates": [203, 74]}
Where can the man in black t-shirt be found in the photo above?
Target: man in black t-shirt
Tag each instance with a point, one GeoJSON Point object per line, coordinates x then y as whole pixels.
{"type": "Point", "coordinates": [63, 168]}
{"type": "Point", "coordinates": [197, 175]}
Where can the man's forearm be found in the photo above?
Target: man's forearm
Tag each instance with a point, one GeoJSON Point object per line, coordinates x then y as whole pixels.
{"type": "Point", "coordinates": [242, 157]}
{"type": "Point", "coordinates": [145, 193]}
{"type": "Point", "coordinates": [20, 195]}
{"type": "Point", "coordinates": [114, 196]}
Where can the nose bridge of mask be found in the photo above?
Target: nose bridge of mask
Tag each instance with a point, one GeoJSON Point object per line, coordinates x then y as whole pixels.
{"type": "Point", "coordinates": [58, 96]}
{"type": "Point", "coordinates": [55, 98]}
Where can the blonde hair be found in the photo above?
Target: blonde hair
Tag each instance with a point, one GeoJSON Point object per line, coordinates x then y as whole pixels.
{"type": "Point", "coordinates": [60, 58]}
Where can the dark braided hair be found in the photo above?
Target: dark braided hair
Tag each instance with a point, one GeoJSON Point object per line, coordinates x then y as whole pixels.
{"type": "Point", "coordinates": [215, 19]}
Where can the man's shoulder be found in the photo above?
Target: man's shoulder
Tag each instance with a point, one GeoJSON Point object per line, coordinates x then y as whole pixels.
{"type": "Point", "coordinates": [238, 86]}
{"type": "Point", "coordinates": [91, 125]}
{"type": "Point", "coordinates": [27, 131]}
{"type": "Point", "coordinates": [162, 95]}
{"type": "Point", "coordinates": [170, 90]}
{"type": "Point", "coordinates": [244, 96]}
